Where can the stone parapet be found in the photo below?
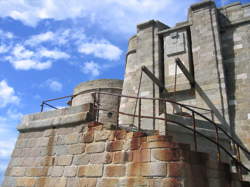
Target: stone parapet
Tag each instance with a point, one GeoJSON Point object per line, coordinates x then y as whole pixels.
{"type": "Point", "coordinates": [61, 117]}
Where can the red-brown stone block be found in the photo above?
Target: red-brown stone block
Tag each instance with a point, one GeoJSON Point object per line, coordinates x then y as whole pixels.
{"type": "Point", "coordinates": [172, 182]}
{"type": "Point", "coordinates": [159, 138]}
{"type": "Point", "coordinates": [154, 169]}
{"type": "Point", "coordinates": [120, 134]}
{"type": "Point", "coordinates": [176, 169]}
{"type": "Point", "coordinates": [115, 171]}
{"type": "Point", "coordinates": [88, 137]}
{"type": "Point", "coordinates": [115, 145]}
{"type": "Point", "coordinates": [121, 157]}
{"type": "Point", "coordinates": [91, 171]}
{"type": "Point", "coordinates": [87, 182]}
{"type": "Point", "coordinates": [97, 147]}
{"type": "Point", "coordinates": [165, 154]}
{"type": "Point", "coordinates": [158, 144]}
{"type": "Point", "coordinates": [134, 169]}
{"type": "Point", "coordinates": [142, 155]}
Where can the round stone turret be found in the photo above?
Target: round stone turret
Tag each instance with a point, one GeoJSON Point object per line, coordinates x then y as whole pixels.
{"type": "Point", "coordinates": [108, 102]}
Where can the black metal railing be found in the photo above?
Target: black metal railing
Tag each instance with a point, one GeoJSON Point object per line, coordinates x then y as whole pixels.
{"type": "Point", "coordinates": [236, 147]}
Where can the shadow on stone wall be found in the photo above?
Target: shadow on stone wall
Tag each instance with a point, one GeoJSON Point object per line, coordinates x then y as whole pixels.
{"type": "Point", "coordinates": [228, 57]}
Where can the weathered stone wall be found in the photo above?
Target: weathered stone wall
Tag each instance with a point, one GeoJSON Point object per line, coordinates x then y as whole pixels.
{"type": "Point", "coordinates": [214, 46]}
{"type": "Point", "coordinates": [235, 32]}
{"type": "Point", "coordinates": [83, 94]}
{"type": "Point", "coordinates": [90, 155]}
{"type": "Point", "coordinates": [143, 51]}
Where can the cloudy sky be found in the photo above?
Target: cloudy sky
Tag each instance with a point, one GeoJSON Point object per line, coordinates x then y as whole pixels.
{"type": "Point", "coordinates": [47, 47]}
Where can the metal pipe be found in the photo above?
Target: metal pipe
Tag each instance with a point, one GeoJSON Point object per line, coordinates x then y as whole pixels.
{"type": "Point", "coordinates": [118, 108]}
{"type": "Point", "coordinates": [166, 120]}
{"type": "Point", "coordinates": [42, 106]}
{"type": "Point", "coordinates": [50, 105]}
{"type": "Point", "coordinates": [139, 115]}
{"type": "Point", "coordinates": [138, 92]}
{"type": "Point", "coordinates": [194, 132]}
{"type": "Point", "coordinates": [217, 140]}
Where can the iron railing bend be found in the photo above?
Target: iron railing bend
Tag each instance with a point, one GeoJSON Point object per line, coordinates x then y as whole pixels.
{"type": "Point", "coordinates": [196, 132]}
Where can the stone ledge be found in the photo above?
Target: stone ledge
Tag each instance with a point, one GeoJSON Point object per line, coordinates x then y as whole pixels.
{"type": "Point", "coordinates": [57, 118]}
{"type": "Point", "coordinates": [151, 23]}
{"type": "Point", "coordinates": [203, 4]}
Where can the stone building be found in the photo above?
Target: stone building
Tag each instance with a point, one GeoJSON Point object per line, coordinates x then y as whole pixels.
{"type": "Point", "coordinates": [201, 66]}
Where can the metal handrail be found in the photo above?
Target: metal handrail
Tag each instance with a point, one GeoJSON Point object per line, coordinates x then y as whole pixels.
{"type": "Point", "coordinates": [237, 161]}
{"type": "Point", "coordinates": [184, 126]}
{"type": "Point", "coordinates": [187, 107]}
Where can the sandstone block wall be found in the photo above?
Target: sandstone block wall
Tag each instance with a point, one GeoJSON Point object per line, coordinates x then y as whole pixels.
{"type": "Point", "coordinates": [235, 31]}
{"type": "Point", "coordinates": [91, 155]}
{"type": "Point", "coordinates": [144, 50]}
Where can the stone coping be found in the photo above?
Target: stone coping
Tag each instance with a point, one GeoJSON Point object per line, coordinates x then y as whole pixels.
{"type": "Point", "coordinates": [202, 4]}
{"type": "Point", "coordinates": [98, 83]}
{"type": "Point", "coordinates": [149, 23]}
{"type": "Point", "coordinates": [57, 118]}
{"type": "Point", "coordinates": [176, 28]}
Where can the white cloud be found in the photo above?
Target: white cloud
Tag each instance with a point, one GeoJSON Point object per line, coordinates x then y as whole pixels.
{"type": "Point", "coordinates": [114, 15]}
{"type": "Point", "coordinates": [6, 147]}
{"type": "Point", "coordinates": [4, 48]}
{"type": "Point", "coordinates": [40, 38]}
{"type": "Point", "coordinates": [13, 114]}
{"type": "Point", "coordinates": [59, 37]}
{"type": "Point", "coordinates": [91, 68]}
{"type": "Point", "coordinates": [25, 59]}
{"type": "Point", "coordinates": [54, 54]}
{"type": "Point", "coordinates": [7, 95]}
{"type": "Point", "coordinates": [21, 52]}
{"type": "Point", "coordinates": [101, 49]}
{"type": "Point", "coordinates": [29, 64]}
{"type": "Point", "coordinates": [6, 35]}
{"type": "Point", "coordinates": [54, 85]}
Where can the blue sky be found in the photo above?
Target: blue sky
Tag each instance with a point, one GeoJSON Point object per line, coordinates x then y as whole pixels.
{"type": "Point", "coordinates": [47, 47]}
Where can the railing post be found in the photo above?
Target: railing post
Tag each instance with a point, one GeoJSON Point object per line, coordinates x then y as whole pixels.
{"type": "Point", "coordinates": [165, 117]}
{"type": "Point", "coordinates": [217, 141]}
{"type": "Point", "coordinates": [117, 112]}
{"type": "Point", "coordinates": [153, 113]}
{"type": "Point", "coordinates": [98, 105]}
{"type": "Point", "coordinates": [94, 104]}
{"type": "Point", "coordinates": [42, 106]}
{"type": "Point", "coordinates": [139, 115]}
{"type": "Point", "coordinates": [212, 115]}
{"type": "Point", "coordinates": [194, 131]}
{"type": "Point", "coordinates": [239, 161]}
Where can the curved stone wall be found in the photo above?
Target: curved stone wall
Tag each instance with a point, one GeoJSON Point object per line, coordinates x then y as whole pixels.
{"type": "Point", "coordinates": [83, 95]}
